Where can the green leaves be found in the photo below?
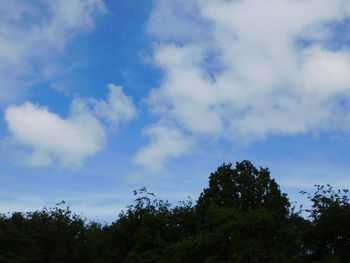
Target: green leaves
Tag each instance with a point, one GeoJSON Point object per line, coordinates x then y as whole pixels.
{"type": "Point", "coordinates": [244, 187]}
{"type": "Point", "coordinates": [328, 237]}
{"type": "Point", "coordinates": [242, 216]}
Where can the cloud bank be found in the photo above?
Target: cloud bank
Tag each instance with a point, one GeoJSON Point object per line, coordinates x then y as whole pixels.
{"type": "Point", "coordinates": [245, 70]}
{"type": "Point", "coordinates": [70, 140]}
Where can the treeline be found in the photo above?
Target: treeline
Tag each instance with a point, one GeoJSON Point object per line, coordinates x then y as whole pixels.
{"type": "Point", "coordinates": [242, 216]}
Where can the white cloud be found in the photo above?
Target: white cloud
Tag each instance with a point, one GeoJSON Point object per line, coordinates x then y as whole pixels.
{"type": "Point", "coordinates": [252, 69]}
{"type": "Point", "coordinates": [32, 33]}
{"type": "Point", "coordinates": [166, 142]}
{"type": "Point", "coordinates": [326, 72]}
{"type": "Point", "coordinates": [118, 107]}
{"type": "Point", "coordinates": [68, 141]}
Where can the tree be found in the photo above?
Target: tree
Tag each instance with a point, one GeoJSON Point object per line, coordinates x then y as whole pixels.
{"type": "Point", "coordinates": [245, 188]}
{"type": "Point", "coordinates": [15, 244]}
{"type": "Point", "coordinates": [244, 217]}
{"type": "Point", "coordinates": [328, 237]}
{"type": "Point", "coordinates": [141, 233]}
{"type": "Point", "coordinates": [51, 235]}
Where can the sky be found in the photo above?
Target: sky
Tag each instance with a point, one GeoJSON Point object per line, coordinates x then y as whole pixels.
{"type": "Point", "coordinates": [101, 97]}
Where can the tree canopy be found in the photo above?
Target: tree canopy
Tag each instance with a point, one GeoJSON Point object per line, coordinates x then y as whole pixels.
{"type": "Point", "coordinates": [242, 216]}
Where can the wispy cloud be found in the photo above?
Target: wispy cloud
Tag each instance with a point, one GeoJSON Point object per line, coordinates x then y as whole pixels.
{"type": "Point", "coordinates": [32, 34]}
{"type": "Point", "coordinates": [94, 206]}
{"type": "Point", "coordinates": [166, 142]}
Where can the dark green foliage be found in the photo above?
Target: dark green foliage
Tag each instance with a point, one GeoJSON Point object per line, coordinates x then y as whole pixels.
{"type": "Point", "coordinates": [50, 235]}
{"type": "Point", "coordinates": [244, 188]}
{"type": "Point", "coordinates": [140, 234]}
{"type": "Point", "coordinates": [242, 216]}
{"type": "Point", "coordinates": [328, 238]}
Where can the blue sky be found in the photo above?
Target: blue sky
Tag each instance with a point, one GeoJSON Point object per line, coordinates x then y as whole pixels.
{"type": "Point", "coordinates": [101, 97]}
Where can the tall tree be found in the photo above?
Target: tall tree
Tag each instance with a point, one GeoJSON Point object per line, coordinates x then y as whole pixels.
{"type": "Point", "coordinates": [244, 187]}
{"type": "Point", "coordinates": [244, 217]}
{"type": "Point", "coordinates": [328, 238]}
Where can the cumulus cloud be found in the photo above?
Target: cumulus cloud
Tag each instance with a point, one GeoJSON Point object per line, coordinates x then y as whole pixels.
{"type": "Point", "coordinates": [70, 140]}
{"type": "Point", "coordinates": [66, 140]}
{"type": "Point", "coordinates": [117, 108]}
{"type": "Point", "coordinates": [252, 68]}
{"type": "Point", "coordinates": [32, 33]}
